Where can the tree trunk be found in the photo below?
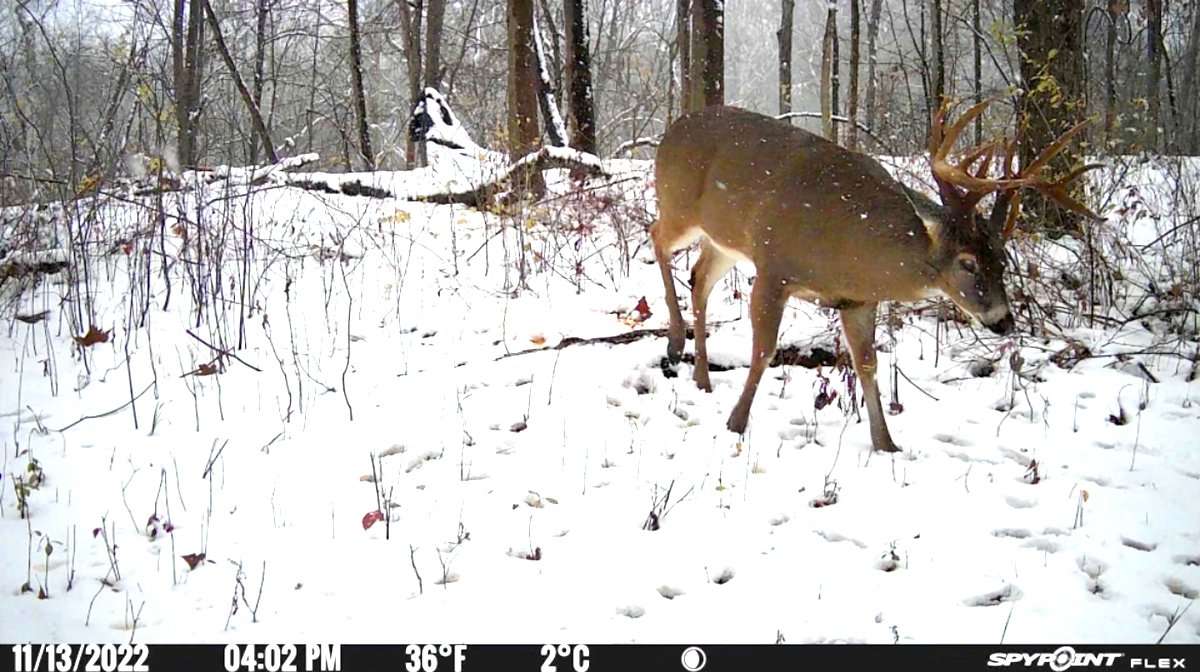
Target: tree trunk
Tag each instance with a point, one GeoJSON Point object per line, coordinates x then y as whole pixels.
{"type": "Point", "coordinates": [827, 45]}
{"type": "Point", "coordinates": [1189, 92]}
{"type": "Point", "coordinates": [187, 52]}
{"type": "Point", "coordinates": [555, 65]}
{"type": "Point", "coordinates": [410, 39]}
{"type": "Point", "coordinates": [261, 9]}
{"type": "Point", "coordinates": [784, 37]}
{"type": "Point", "coordinates": [939, 57]}
{"type": "Point", "coordinates": [872, 61]}
{"type": "Point", "coordinates": [977, 72]}
{"type": "Point", "coordinates": [522, 80]}
{"type": "Point", "coordinates": [260, 128]}
{"type": "Point", "coordinates": [1052, 97]}
{"type": "Point", "coordinates": [581, 115]}
{"type": "Point", "coordinates": [552, 121]}
{"type": "Point", "coordinates": [433, 43]}
{"type": "Point", "coordinates": [683, 43]}
{"type": "Point", "coordinates": [356, 86]}
{"type": "Point", "coordinates": [852, 131]}
{"type": "Point", "coordinates": [1154, 73]}
{"type": "Point", "coordinates": [707, 54]}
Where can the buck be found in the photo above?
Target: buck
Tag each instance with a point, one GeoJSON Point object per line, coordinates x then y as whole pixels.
{"type": "Point", "coordinates": [828, 225]}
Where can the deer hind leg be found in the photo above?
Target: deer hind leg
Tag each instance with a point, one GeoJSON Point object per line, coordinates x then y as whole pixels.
{"type": "Point", "coordinates": [670, 234]}
{"type": "Point", "coordinates": [858, 323]}
{"type": "Point", "coordinates": [767, 301]}
{"type": "Point", "coordinates": [712, 265]}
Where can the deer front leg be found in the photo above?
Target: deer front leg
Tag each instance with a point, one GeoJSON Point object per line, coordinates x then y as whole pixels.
{"type": "Point", "coordinates": [708, 271]}
{"type": "Point", "coordinates": [858, 323]}
{"type": "Point", "coordinates": [767, 301]}
{"type": "Point", "coordinates": [663, 236]}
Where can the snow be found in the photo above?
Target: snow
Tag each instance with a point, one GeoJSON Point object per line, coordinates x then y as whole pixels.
{"type": "Point", "coordinates": [399, 315]}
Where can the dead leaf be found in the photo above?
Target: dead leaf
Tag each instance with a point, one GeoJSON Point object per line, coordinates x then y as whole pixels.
{"type": "Point", "coordinates": [193, 560]}
{"type": "Point", "coordinates": [93, 336]}
{"type": "Point", "coordinates": [643, 309]}
{"type": "Point", "coordinates": [208, 369]}
{"type": "Point", "coordinates": [35, 318]}
{"type": "Point", "coordinates": [537, 339]}
{"type": "Point", "coordinates": [371, 518]}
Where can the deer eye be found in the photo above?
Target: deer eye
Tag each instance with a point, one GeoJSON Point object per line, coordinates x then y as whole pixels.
{"type": "Point", "coordinates": [968, 264]}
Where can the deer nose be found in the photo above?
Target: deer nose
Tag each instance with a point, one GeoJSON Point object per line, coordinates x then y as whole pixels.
{"type": "Point", "coordinates": [1004, 326]}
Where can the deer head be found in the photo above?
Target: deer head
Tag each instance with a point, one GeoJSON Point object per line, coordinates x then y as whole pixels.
{"type": "Point", "coordinates": [969, 248]}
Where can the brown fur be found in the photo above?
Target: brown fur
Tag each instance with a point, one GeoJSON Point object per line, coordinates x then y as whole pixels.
{"type": "Point", "coordinates": [818, 222]}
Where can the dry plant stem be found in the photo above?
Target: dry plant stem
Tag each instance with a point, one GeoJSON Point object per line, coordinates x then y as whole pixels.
{"type": "Point", "coordinates": [412, 558]}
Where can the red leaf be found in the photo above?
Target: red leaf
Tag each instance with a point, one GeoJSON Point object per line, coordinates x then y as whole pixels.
{"type": "Point", "coordinates": [643, 308]}
{"type": "Point", "coordinates": [193, 559]}
{"type": "Point", "coordinates": [371, 518]}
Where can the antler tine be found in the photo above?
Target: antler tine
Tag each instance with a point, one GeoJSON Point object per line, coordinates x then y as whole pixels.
{"type": "Point", "coordinates": [947, 139]}
{"type": "Point", "coordinates": [987, 151]}
{"type": "Point", "coordinates": [1014, 213]}
{"type": "Point", "coordinates": [975, 183]}
{"type": "Point", "coordinates": [1053, 150]}
{"type": "Point", "coordinates": [1057, 191]}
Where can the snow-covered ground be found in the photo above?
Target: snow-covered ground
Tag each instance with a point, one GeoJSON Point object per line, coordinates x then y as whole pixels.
{"type": "Point", "coordinates": [519, 486]}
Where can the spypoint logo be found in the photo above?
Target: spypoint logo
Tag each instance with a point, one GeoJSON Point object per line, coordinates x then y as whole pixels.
{"type": "Point", "coordinates": [1061, 659]}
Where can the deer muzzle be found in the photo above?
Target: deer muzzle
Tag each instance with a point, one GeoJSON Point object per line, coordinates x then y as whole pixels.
{"type": "Point", "coordinates": [1002, 326]}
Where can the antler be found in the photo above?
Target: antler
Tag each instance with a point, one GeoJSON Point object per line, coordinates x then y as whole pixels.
{"type": "Point", "coordinates": [962, 187]}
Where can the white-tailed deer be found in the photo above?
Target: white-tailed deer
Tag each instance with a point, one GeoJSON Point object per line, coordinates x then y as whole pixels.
{"type": "Point", "coordinates": [825, 224]}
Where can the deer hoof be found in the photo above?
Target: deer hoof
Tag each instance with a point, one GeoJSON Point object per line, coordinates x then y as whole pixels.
{"type": "Point", "coordinates": [736, 425]}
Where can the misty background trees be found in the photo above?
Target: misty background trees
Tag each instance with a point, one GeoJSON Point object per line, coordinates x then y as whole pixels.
{"type": "Point", "coordinates": [96, 89]}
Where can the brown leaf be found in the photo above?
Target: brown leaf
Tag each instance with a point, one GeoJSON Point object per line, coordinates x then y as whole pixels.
{"type": "Point", "coordinates": [537, 339]}
{"type": "Point", "coordinates": [209, 369]}
{"type": "Point", "coordinates": [93, 336]}
{"type": "Point", "coordinates": [193, 559]}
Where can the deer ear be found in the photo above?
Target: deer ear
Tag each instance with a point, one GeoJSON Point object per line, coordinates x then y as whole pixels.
{"type": "Point", "coordinates": [932, 215]}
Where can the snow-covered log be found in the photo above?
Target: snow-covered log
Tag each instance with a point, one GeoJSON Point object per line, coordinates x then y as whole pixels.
{"type": "Point", "coordinates": [460, 171]}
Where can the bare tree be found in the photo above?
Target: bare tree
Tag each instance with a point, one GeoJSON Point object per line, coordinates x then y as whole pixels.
{"type": "Point", "coordinates": [356, 85]}
{"type": "Point", "coordinates": [827, 59]}
{"type": "Point", "coordinates": [433, 43]}
{"type": "Point", "coordinates": [1154, 73]}
{"type": "Point", "coordinates": [852, 131]}
{"type": "Point", "coordinates": [260, 128]}
{"type": "Point", "coordinates": [784, 37]}
{"type": "Point", "coordinates": [262, 9]}
{"type": "Point", "coordinates": [187, 54]}
{"type": "Point", "coordinates": [707, 57]}
{"type": "Point", "coordinates": [1188, 91]}
{"type": "Point", "coordinates": [939, 56]}
{"type": "Point", "coordinates": [522, 80]}
{"type": "Point", "coordinates": [581, 114]}
{"type": "Point", "coordinates": [683, 43]}
{"type": "Point", "coordinates": [410, 39]}
{"type": "Point", "coordinates": [552, 121]}
{"type": "Point", "coordinates": [872, 60]}
{"type": "Point", "coordinates": [977, 63]}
